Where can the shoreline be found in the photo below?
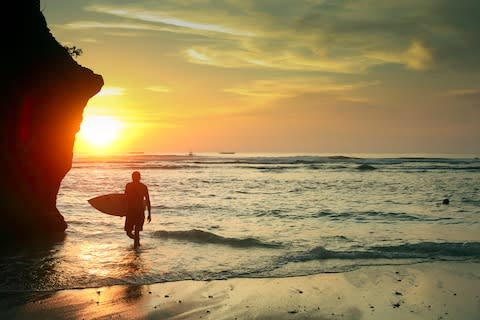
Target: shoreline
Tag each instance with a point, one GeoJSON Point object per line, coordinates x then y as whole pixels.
{"type": "Point", "coordinates": [430, 290]}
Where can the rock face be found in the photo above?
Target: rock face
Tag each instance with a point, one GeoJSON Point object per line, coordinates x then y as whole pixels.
{"type": "Point", "coordinates": [43, 92]}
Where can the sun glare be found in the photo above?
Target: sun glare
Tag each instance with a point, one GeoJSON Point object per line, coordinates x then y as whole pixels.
{"type": "Point", "coordinates": [100, 131]}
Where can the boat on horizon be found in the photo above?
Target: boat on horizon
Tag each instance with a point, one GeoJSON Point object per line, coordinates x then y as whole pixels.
{"type": "Point", "coordinates": [227, 152]}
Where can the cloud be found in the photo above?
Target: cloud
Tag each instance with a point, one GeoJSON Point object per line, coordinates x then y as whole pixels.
{"type": "Point", "coordinates": [159, 89]}
{"type": "Point", "coordinates": [465, 96]}
{"type": "Point", "coordinates": [309, 36]}
{"type": "Point", "coordinates": [282, 88]}
{"type": "Point", "coordinates": [128, 26]}
{"type": "Point", "coordinates": [89, 40]}
{"type": "Point", "coordinates": [415, 57]}
{"type": "Point", "coordinates": [240, 36]}
{"type": "Point", "coordinates": [111, 91]}
{"type": "Point", "coordinates": [195, 56]}
{"type": "Point", "coordinates": [79, 25]}
{"type": "Point", "coordinates": [160, 17]}
{"type": "Point", "coordinates": [236, 56]}
{"type": "Point", "coordinates": [464, 92]}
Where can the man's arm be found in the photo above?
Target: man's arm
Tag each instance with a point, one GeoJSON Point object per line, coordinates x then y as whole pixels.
{"type": "Point", "coordinates": [149, 206]}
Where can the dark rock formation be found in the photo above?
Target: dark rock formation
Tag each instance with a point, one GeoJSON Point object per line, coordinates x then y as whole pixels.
{"type": "Point", "coordinates": [43, 92]}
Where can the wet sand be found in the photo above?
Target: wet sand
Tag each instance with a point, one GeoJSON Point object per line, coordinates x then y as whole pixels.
{"type": "Point", "coordinates": [440, 290]}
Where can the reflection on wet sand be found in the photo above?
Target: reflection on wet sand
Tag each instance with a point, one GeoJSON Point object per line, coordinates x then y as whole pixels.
{"type": "Point", "coordinates": [91, 303]}
{"type": "Point", "coordinates": [382, 292]}
{"type": "Point", "coordinates": [82, 304]}
{"type": "Point", "coordinates": [30, 263]}
{"type": "Point", "coordinates": [133, 262]}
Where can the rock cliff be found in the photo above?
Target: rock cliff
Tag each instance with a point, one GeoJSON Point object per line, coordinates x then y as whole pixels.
{"type": "Point", "coordinates": [43, 92]}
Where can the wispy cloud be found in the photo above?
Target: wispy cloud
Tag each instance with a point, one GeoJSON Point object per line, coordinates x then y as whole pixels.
{"type": "Point", "coordinates": [89, 40]}
{"type": "Point", "coordinates": [281, 88]}
{"type": "Point", "coordinates": [111, 91]}
{"type": "Point", "coordinates": [124, 26]}
{"type": "Point", "coordinates": [307, 36]}
{"type": "Point", "coordinates": [254, 57]}
{"type": "Point", "coordinates": [159, 17]}
{"type": "Point", "coordinates": [79, 25]}
{"type": "Point", "coordinates": [415, 57]}
{"type": "Point", "coordinates": [159, 89]}
{"type": "Point", "coordinates": [464, 92]}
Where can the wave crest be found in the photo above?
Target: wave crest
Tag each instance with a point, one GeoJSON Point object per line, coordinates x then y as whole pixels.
{"type": "Point", "coordinates": [200, 236]}
{"type": "Point", "coordinates": [422, 250]}
{"type": "Point", "coordinates": [387, 217]}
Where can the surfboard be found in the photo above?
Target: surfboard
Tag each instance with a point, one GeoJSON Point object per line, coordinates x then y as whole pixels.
{"type": "Point", "coordinates": [114, 204]}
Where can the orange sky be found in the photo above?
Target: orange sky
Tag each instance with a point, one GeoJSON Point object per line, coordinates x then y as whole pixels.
{"type": "Point", "coordinates": [280, 76]}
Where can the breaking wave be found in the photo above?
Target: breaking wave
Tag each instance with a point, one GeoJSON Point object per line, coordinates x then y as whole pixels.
{"type": "Point", "coordinates": [422, 250]}
{"type": "Point", "coordinates": [200, 236]}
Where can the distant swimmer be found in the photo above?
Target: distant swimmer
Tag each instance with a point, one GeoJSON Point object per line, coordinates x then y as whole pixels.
{"type": "Point", "coordinates": [446, 201]}
{"type": "Point", "coordinates": [137, 195]}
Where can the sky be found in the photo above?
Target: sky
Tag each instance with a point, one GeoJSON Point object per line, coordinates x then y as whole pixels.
{"type": "Point", "coordinates": [296, 76]}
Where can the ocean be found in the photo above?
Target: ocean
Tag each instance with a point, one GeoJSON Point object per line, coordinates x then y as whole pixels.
{"type": "Point", "coordinates": [220, 216]}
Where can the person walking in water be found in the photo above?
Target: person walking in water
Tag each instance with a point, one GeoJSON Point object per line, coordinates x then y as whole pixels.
{"type": "Point", "coordinates": [137, 194]}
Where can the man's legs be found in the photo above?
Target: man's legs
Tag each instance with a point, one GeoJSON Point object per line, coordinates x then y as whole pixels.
{"type": "Point", "coordinates": [136, 239]}
{"type": "Point", "coordinates": [129, 227]}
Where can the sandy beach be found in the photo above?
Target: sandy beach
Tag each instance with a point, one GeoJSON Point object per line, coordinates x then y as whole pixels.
{"type": "Point", "coordinates": [440, 290]}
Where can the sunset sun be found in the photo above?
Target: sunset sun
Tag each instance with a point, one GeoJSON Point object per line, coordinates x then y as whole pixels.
{"type": "Point", "coordinates": [100, 131]}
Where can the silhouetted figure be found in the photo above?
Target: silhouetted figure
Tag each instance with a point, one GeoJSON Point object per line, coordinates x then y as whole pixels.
{"type": "Point", "coordinates": [137, 196]}
{"type": "Point", "coordinates": [446, 201]}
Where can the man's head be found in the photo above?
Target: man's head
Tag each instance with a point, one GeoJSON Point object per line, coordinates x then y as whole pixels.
{"type": "Point", "coordinates": [136, 176]}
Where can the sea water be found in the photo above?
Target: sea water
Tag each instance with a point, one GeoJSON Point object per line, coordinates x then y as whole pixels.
{"type": "Point", "coordinates": [217, 216]}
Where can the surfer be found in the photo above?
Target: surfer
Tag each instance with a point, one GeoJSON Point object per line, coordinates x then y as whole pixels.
{"type": "Point", "coordinates": [137, 196]}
